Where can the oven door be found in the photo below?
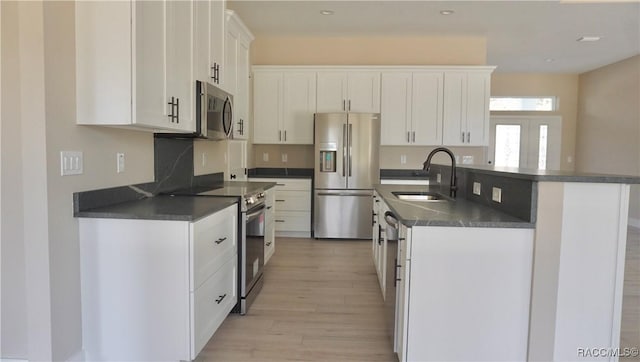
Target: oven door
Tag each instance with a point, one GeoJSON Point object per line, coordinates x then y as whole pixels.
{"type": "Point", "coordinates": [253, 249]}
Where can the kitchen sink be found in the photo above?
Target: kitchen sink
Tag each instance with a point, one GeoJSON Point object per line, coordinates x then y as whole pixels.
{"type": "Point", "coordinates": [420, 196]}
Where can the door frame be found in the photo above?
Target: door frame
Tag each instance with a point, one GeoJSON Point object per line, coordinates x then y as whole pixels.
{"type": "Point", "coordinates": [554, 142]}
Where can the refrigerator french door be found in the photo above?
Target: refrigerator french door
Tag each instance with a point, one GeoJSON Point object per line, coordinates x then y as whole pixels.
{"type": "Point", "coordinates": [347, 166]}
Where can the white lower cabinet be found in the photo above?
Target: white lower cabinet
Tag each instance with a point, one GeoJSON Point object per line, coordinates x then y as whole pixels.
{"type": "Point", "coordinates": [463, 294]}
{"type": "Point", "coordinates": [292, 206]}
{"type": "Point", "coordinates": [156, 289]}
{"type": "Point", "coordinates": [269, 228]}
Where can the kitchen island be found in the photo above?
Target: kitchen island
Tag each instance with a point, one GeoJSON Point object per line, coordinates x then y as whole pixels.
{"type": "Point", "coordinates": [533, 277]}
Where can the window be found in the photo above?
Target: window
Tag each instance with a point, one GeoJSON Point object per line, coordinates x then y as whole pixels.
{"type": "Point", "coordinates": [523, 103]}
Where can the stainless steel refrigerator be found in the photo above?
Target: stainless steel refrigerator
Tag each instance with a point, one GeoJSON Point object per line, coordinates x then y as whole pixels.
{"type": "Point", "coordinates": [346, 147]}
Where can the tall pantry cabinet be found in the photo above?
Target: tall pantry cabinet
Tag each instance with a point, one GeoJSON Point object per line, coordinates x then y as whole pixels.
{"type": "Point", "coordinates": [238, 39]}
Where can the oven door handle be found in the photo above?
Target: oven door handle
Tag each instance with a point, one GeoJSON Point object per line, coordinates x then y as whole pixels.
{"type": "Point", "coordinates": [254, 214]}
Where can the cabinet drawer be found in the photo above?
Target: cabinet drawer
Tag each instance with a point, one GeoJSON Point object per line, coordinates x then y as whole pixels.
{"type": "Point", "coordinates": [293, 185]}
{"type": "Point", "coordinates": [211, 303]}
{"type": "Point", "coordinates": [293, 201]}
{"type": "Point", "coordinates": [293, 221]}
{"type": "Point", "coordinates": [214, 240]}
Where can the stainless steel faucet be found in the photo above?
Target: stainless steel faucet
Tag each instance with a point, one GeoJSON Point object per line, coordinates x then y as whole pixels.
{"type": "Point", "coordinates": [427, 165]}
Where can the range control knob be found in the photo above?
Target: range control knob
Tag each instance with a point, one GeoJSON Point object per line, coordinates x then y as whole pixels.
{"type": "Point", "coordinates": [261, 195]}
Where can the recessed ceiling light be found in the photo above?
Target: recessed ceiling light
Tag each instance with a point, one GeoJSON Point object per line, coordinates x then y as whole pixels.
{"type": "Point", "coordinates": [588, 38]}
{"type": "Point", "coordinates": [326, 12]}
{"type": "Point", "coordinates": [446, 12]}
{"type": "Point", "coordinates": [549, 60]}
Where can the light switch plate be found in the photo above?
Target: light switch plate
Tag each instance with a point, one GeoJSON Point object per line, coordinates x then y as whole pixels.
{"type": "Point", "coordinates": [265, 157]}
{"type": "Point", "coordinates": [284, 157]}
{"type": "Point", "coordinates": [477, 188]}
{"type": "Point", "coordinates": [403, 159]}
{"type": "Point", "coordinates": [496, 194]}
{"type": "Point", "coordinates": [71, 163]}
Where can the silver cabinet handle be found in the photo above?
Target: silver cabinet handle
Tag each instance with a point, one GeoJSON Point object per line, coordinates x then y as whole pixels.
{"type": "Point", "coordinates": [268, 244]}
{"type": "Point", "coordinates": [414, 136]}
{"type": "Point", "coordinates": [462, 137]}
{"type": "Point", "coordinates": [344, 107]}
{"type": "Point", "coordinates": [279, 200]}
{"type": "Point", "coordinates": [408, 137]}
{"type": "Point", "coordinates": [349, 104]}
{"type": "Point", "coordinates": [285, 135]}
{"type": "Point", "coordinates": [220, 240]}
{"type": "Point", "coordinates": [279, 135]}
{"type": "Point", "coordinates": [468, 137]}
{"type": "Point", "coordinates": [277, 184]}
{"type": "Point", "coordinates": [279, 220]}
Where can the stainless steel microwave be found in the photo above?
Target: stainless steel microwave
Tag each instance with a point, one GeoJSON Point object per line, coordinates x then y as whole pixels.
{"type": "Point", "coordinates": [214, 112]}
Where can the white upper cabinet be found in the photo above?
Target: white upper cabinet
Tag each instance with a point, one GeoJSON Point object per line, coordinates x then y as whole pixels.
{"type": "Point", "coordinates": [348, 91]}
{"type": "Point", "coordinates": [236, 76]}
{"type": "Point", "coordinates": [284, 105]}
{"type": "Point", "coordinates": [411, 108]}
{"type": "Point", "coordinates": [208, 24]}
{"type": "Point", "coordinates": [466, 108]}
{"type": "Point", "coordinates": [134, 65]}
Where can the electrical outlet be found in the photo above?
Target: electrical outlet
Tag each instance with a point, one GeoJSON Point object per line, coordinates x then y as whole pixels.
{"type": "Point", "coordinates": [403, 159]}
{"type": "Point", "coordinates": [476, 188]}
{"type": "Point", "coordinates": [467, 160]}
{"type": "Point", "coordinates": [284, 157]}
{"type": "Point", "coordinates": [496, 194]}
{"type": "Point", "coordinates": [120, 162]}
{"type": "Point", "coordinates": [71, 163]}
{"type": "Point", "coordinates": [265, 157]}
{"type": "Point", "coordinates": [204, 159]}
{"type": "Point", "coordinates": [439, 178]}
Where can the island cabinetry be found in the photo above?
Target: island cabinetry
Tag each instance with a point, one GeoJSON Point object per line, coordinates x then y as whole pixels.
{"type": "Point", "coordinates": [411, 108]}
{"type": "Point", "coordinates": [269, 222]}
{"type": "Point", "coordinates": [140, 75]}
{"type": "Point", "coordinates": [463, 286]}
{"type": "Point", "coordinates": [284, 104]}
{"type": "Point", "coordinates": [156, 289]}
{"type": "Point", "coordinates": [349, 91]}
{"type": "Point", "coordinates": [466, 108]}
{"type": "Point", "coordinates": [293, 206]}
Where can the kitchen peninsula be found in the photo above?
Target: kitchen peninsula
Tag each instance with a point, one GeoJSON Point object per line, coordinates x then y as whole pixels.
{"type": "Point", "coordinates": [533, 276]}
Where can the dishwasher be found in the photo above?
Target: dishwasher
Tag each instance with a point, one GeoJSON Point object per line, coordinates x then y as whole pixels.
{"type": "Point", "coordinates": [392, 277]}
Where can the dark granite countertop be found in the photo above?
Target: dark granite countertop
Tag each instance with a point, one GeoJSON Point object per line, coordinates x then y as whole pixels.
{"type": "Point", "coordinates": [265, 172]}
{"type": "Point", "coordinates": [459, 212]}
{"type": "Point", "coordinates": [551, 175]}
{"type": "Point", "coordinates": [226, 188]}
{"type": "Point", "coordinates": [176, 208]}
{"type": "Point", "coordinates": [403, 174]}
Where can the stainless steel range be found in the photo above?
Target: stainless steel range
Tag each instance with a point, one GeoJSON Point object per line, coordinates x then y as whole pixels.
{"type": "Point", "coordinates": [250, 236]}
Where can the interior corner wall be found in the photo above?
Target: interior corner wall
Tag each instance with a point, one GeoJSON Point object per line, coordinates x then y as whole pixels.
{"type": "Point", "coordinates": [563, 86]}
{"type": "Point", "coordinates": [13, 310]}
{"type": "Point", "coordinates": [608, 132]}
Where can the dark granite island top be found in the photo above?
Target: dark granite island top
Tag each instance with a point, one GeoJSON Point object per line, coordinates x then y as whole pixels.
{"type": "Point", "coordinates": [227, 188]}
{"type": "Point", "coordinates": [176, 208]}
{"type": "Point", "coordinates": [549, 175]}
{"type": "Point", "coordinates": [459, 212]}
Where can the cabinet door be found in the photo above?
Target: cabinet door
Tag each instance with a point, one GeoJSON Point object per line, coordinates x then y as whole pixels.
{"type": "Point", "coordinates": [478, 94]}
{"type": "Point", "coordinates": [150, 76]}
{"type": "Point", "coordinates": [216, 38]}
{"type": "Point", "coordinates": [237, 165]}
{"type": "Point", "coordinates": [332, 92]}
{"type": "Point", "coordinates": [426, 108]}
{"type": "Point", "coordinates": [230, 59]}
{"type": "Point", "coordinates": [267, 107]}
{"type": "Point", "coordinates": [299, 107]}
{"type": "Point", "coordinates": [241, 98]}
{"type": "Point", "coordinates": [454, 110]}
{"type": "Point", "coordinates": [363, 92]}
{"type": "Point", "coordinates": [269, 229]}
{"type": "Point", "coordinates": [396, 109]}
{"type": "Point", "coordinates": [201, 41]}
{"type": "Point", "coordinates": [179, 53]}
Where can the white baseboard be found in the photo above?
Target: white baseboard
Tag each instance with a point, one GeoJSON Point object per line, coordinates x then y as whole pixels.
{"type": "Point", "coordinates": [634, 223]}
{"type": "Point", "coordinates": [12, 360]}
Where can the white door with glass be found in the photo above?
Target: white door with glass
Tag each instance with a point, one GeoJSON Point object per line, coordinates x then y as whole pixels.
{"type": "Point", "coordinates": [525, 142]}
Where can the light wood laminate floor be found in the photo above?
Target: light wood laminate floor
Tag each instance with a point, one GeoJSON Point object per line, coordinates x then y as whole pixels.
{"type": "Point", "coordinates": [321, 302]}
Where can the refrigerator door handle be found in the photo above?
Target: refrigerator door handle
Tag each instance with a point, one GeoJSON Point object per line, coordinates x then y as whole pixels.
{"type": "Point", "coordinates": [344, 149]}
{"type": "Point", "coordinates": [343, 194]}
{"type": "Point", "coordinates": [350, 146]}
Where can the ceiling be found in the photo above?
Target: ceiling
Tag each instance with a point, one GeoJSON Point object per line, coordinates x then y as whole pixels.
{"type": "Point", "coordinates": [522, 36]}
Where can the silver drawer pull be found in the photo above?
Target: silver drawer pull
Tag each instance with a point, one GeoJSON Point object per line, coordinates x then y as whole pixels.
{"type": "Point", "coordinates": [220, 298]}
{"type": "Point", "coordinates": [279, 220]}
{"type": "Point", "coordinates": [220, 240]}
{"type": "Point", "coordinates": [269, 243]}
{"type": "Point", "coordinates": [277, 184]}
{"type": "Point", "coordinates": [280, 200]}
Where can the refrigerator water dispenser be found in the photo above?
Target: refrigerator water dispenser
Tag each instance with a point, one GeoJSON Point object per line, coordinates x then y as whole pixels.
{"type": "Point", "coordinates": [327, 161]}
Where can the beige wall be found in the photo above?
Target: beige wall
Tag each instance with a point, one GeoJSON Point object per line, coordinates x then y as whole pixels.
{"type": "Point", "coordinates": [215, 157]}
{"type": "Point", "coordinates": [298, 156]}
{"type": "Point", "coordinates": [608, 132]}
{"type": "Point", "coordinates": [563, 86]}
{"type": "Point", "coordinates": [406, 50]}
